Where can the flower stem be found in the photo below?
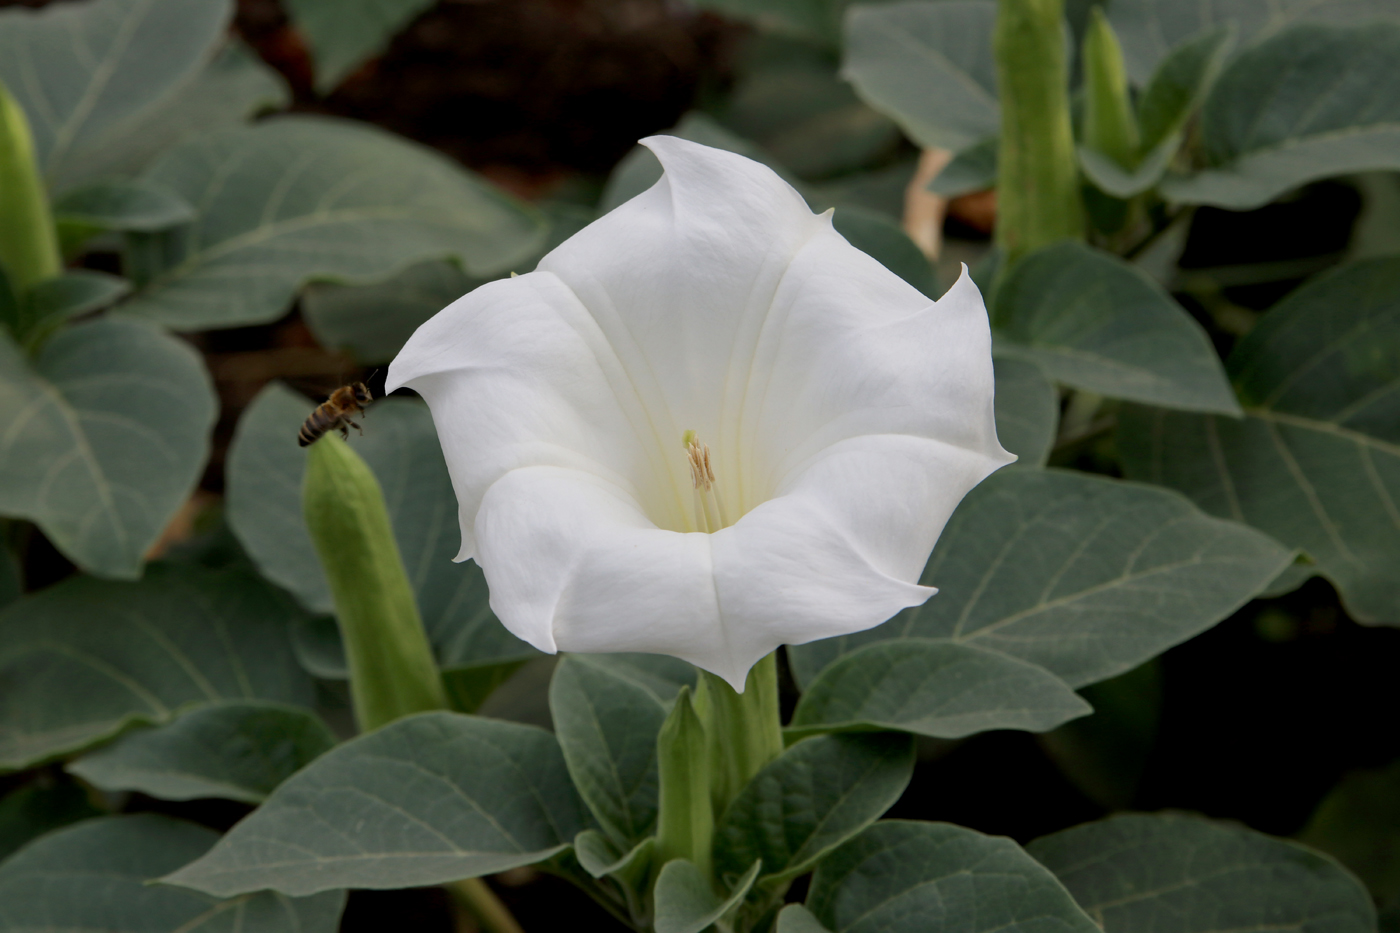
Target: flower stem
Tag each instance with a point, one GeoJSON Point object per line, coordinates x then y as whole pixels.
{"type": "Point", "coordinates": [1038, 201]}
{"type": "Point", "coordinates": [473, 896]}
{"type": "Point", "coordinates": [743, 730]}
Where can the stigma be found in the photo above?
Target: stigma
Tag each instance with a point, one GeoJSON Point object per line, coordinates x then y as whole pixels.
{"type": "Point", "coordinates": [710, 514]}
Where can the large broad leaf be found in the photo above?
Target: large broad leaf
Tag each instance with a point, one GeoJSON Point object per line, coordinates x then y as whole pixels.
{"type": "Point", "coordinates": [1027, 411]}
{"type": "Point", "coordinates": [301, 198]}
{"type": "Point", "coordinates": [1094, 322]}
{"type": "Point", "coordinates": [929, 66]}
{"type": "Point", "coordinates": [1179, 874]}
{"type": "Point", "coordinates": [115, 204]}
{"type": "Point", "coordinates": [1311, 102]}
{"type": "Point", "coordinates": [231, 89]}
{"type": "Point", "coordinates": [1150, 29]}
{"type": "Point", "coordinates": [904, 877]}
{"type": "Point", "coordinates": [818, 20]}
{"type": "Point", "coordinates": [86, 659]}
{"type": "Point", "coordinates": [343, 33]}
{"type": "Point", "coordinates": [264, 475]}
{"type": "Point", "coordinates": [84, 71]}
{"type": "Point", "coordinates": [1082, 575]}
{"type": "Point", "coordinates": [1316, 462]}
{"type": "Point", "coordinates": [686, 901]}
{"type": "Point", "coordinates": [1358, 823]}
{"type": "Point", "coordinates": [41, 807]}
{"type": "Point", "coordinates": [46, 305]}
{"type": "Point", "coordinates": [372, 322]}
{"type": "Point", "coordinates": [234, 750]}
{"type": "Point", "coordinates": [809, 800]}
{"type": "Point", "coordinates": [94, 876]}
{"type": "Point", "coordinates": [607, 711]}
{"type": "Point", "coordinates": [425, 800]}
{"type": "Point", "coordinates": [102, 438]}
{"type": "Point", "coordinates": [934, 688]}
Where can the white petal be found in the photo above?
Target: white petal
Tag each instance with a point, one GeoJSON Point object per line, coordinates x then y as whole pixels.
{"type": "Point", "coordinates": [518, 374]}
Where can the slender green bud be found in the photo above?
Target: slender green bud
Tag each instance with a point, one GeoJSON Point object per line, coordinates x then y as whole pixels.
{"type": "Point", "coordinates": [28, 240]}
{"type": "Point", "coordinates": [392, 673]}
{"type": "Point", "coordinates": [686, 823]}
{"type": "Point", "coordinates": [744, 730]}
{"type": "Point", "coordinates": [1038, 199]}
{"type": "Point", "coordinates": [1109, 124]}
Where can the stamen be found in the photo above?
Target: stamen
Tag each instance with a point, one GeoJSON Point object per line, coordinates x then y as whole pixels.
{"type": "Point", "coordinates": [710, 514]}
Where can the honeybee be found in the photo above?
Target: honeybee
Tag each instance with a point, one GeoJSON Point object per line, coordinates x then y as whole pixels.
{"type": "Point", "coordinates": [335, 413]}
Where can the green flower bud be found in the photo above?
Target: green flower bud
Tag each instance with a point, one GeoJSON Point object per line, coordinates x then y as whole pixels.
{"type": "Point", "coordinates": [392, 672]}
{"type": "Point", "coordinates": [28, 241]}
{"type": "Point", "coordinates": [686, 823]}
{"type": "Point", "coordinates": [1109, 124]}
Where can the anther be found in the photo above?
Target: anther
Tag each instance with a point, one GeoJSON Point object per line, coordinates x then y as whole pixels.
{"type": "Point", "coordinates": [710, 514]}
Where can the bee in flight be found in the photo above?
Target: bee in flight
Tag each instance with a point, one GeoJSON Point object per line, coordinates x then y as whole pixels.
{"type": "Point", "coordinates": [335, 413]}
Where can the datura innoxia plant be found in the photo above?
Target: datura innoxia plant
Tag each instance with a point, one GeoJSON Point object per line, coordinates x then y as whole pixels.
{"type": "Point", "coordinates": [706, 425]}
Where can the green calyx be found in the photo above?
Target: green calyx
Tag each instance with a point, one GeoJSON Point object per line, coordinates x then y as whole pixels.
{"type": "Point", "coordinates": [1038, 201]}
{"type": "Point", "coordinates": [392, 672]}
{"type": "Point", "coordinates": [1109, 124]}
{"type": "Point", "coordinates": [743, 730]}
{"type": "Point", "coordinates": [28, 240]}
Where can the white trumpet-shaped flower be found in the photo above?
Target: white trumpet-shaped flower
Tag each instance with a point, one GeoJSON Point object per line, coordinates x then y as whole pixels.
{"type": "Point", "coordinates": [706, 425]}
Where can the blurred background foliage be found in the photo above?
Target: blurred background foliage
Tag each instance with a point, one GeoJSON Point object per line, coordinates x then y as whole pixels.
{"type": "Point", "coordinates": [1281, 717]}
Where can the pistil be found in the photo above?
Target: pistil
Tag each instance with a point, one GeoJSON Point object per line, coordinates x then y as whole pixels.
{"type": "Point", "coordinates": [710, 513]}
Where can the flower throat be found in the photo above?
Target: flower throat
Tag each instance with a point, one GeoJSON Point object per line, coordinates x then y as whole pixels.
{"type": "Point", "coordinates": [710, 513]}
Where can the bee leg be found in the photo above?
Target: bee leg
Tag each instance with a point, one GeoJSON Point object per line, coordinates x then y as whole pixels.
{"type": "Point", "coordinates": [344, 433]}
{"type": "Point", "coordinates": [355, 426]}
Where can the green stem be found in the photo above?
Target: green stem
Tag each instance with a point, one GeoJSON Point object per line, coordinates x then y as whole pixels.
{"type": "Point", "coordinates": [743, 730]}
{"type": "Point", "coordinates": [392, 672]}
{"type": "Point", "coordinates": [28, 238]}
{"type": "Point", "coordinates": [473, 896]}
{"type": "Point", "coordinates": [1038, 199]}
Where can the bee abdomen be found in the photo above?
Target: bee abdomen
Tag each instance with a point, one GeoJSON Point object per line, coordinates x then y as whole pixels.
{"type": "Point", "coordinates": [313, 427]}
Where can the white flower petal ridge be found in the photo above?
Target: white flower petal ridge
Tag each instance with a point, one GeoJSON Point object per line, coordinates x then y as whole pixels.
{"type": "Point", "coordinates": [838, 413]}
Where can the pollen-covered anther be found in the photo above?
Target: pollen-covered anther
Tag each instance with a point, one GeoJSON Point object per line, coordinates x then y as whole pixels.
{"type": "Point", "coordinates": [710, 514]}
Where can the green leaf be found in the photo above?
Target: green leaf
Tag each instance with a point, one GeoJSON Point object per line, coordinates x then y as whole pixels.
{"type": "Point", "coordinates": [1150, 30]}
{"type": "Point", "coordinates": [86, 659]}
{"type": "Point", "coordinates": [906, 877]}
{"type": "Point", "coordinates": [1082, 575]}
{"type": "Point", "coordinates": [265, 469]}
{"type": "Point", "coordinates": [1311, 102]}
{"type": "Point", "coordinates": [1094, 322]}
{"type": "Point", "coordinates": [234, 750]}
{"type": "Point", "coordinates": [46, 305]}
{"type": "Point", "coordinates": [94, 876]}
{"type": "Point", "coordinates": [1180, 874]}
{"type": "Point", "coordinates": [685, 902]}
{"type": "Point", "coordinates": [880, 237]}
{"type": "Point", "coordinates": [809, 800]}
{"type": "Point", "coordinates": [1316, 462]}
{"type": "Point", "coordinates": [39, 808]}
{"type": "Point", "coordinates": [809, 119]}
{"type": "Point", "coordinates": [102, 438]}
{"type": "Point", "coordinates": [1027, 410]}
{"type": "Point", "coordinates": [373, 322]}
{"type": "Point", "coordinates": [344, 33]}
{"type": "Point", "coordinates": [972, 169]}
{"type": "Point", "coordinates": [818, 20]}
{"type": "Point", "coordinates": [231, 89]}
{"type": "Point", "coordinates": [601, 859]}
{"type": "Point", "coordinates": [425, 800]}
{"type": "Point", "coordinates": [929, 66]}
{"type": "Point", "coordinates": [794, 918]}
{"type": "Point", "coordinates": [607, 712]}
{"type": "Point", "coordinates": [933, 688]}
{"type": "Point", "coordinates": [84, 72]}
{"type": "Point", "coordinates": [468, 687]}
{"type": "Point", "coordinates": [1179, 85]}
{"type": "Point", "coordinates": [122, 205]}
{"type": "Point", "coordinates": [1358, 824]}
{"type": "Point", "coordinates": [268, 224]}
